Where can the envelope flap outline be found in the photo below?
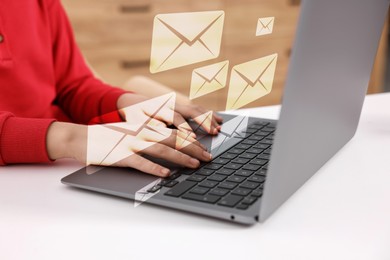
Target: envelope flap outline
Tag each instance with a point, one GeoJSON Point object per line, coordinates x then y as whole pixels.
{"type": "Point", "coordinates": [234, 126]}
{"type": "Point", "coordinates": [211, 72]}
{"type": "Point", "coordinates": [199, 23]}
{"type": "Point", "coordinates": [253, 71]}
{"type": "Point", "coordinates": [266, 22]}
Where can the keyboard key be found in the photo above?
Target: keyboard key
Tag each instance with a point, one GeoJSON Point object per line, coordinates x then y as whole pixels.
{"type": "Point", "coordinates": [164, 182]}
{"type": "Point", "coordinates": [187, 171]}
{"type": "Point", "coordinates": [219, 192]}
{"type": "Point", "coordinates": [232, 166]}
{"type": "Point", "coordinates": [265, 141]}
{"type": "Point", "coordinates": [225, 171]}
{"type": "Point", "coordinates": [228, 156]}
{"type": "Point", "coordinates": [250, 185]}
{"type": "Point", "coordinates": [208, 184]}
{"type": "Point", "coordinates": [248, 155]}
{"type": "Point", "coordinates": [217, 177]}
{"type": "Point", "coordinates": [250, 130]}
{"type": "Point", "coordinates": [213, 166]}
{"type": "Point", "coordinates": [261, 146]}
{"type": "Point", "coordinates": [259, 162]}
{"type": "Point", "coordinates": [171, 184]}
{"type": "Point", "coordinates": [257, 178]}
{"type": "Point", "coordinates": [204, 172]}
{"type": "Point", "coordinates": [242, 206]}
{"type": "Point", "coordinates": [263, 156]}
{"type": "Point", "coordinates": [241, 191]}
{"type": "Point", "coordinates": [263, 134]}
{"type": "Point", "coordinates": [255, 138]}
{"type": "Point", "coordinates": [261, 172]}
{"type": "Point", "coordinates": [154, 188]}
{"type": "Point", "coordinates": [249, 142]}
{"type": "Point", "coordinates": [240, 160]}
{"type": "Point", "coordinates": [251, 167]}
{"type": "Point", "coordinates": [220, 160]}
{"type": "Point", "coordinates": [230, 200]}
{"type": "Point", "coordinates": [249, 200]}
{"type": "Point", "coordinates": [257, 193]}
{"type": "Point", "coordinates": [203, 198]}
{"type": "Point", "coordinates": [254, 150]}
{"type": "Point", "coordinates": [195, 177]}
{"type": "Point", "coordinates": [243, 146]}
{"type": "Point", "coordinates": [173, 176]}
{"type": "Point", "coordinates": [199, 190]}
{"type": "Point", "coordinates": [227, 185]}
{"type": "Point", "coordinates": [236, 151]}
{"type": "Point", "coordinates": [268, 129]}
{"type": "Point", "coordinates": [236, 179]}
{"type": "Point", "coordinates": [180, 188]}
{"type": "Point", "coordinates": [244, 173]}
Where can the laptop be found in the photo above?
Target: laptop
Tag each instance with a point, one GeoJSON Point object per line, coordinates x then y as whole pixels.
{"type": "Point", "coordinates": [255, 170]}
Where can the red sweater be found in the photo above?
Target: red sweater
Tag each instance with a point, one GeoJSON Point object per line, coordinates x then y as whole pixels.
{"type": "Point", "coordinates": [43, 78]}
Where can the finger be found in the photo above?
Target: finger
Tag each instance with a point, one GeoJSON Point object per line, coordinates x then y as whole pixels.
{"type": "Point", "coordinates": [195, 150]}
{"type": "Point", "coordinates": [169, 154]}
{"type": "Point", "coordinates": [182, 124]}
{"type": "Point", "coordinates": [155, 134]}
{"type": "Point", "coordinates": [171, 117]}
{"type": "Point", "coordinates": [218, 118]}
{"type": "Point", "coordinates": [205, 120]}
{"type": "Point", "coordinates": [178, 140]}
{"type": "Point", "coordinates": [156, 123]}
{"type": "Point", "coordinates": [140, 163]}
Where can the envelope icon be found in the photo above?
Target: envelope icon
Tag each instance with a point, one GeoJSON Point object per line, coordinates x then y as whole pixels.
{"type": "Point", "coordinates": [108, 144]}
{"type": "Point", "coordinates": [180, 39]}
{"type": "Point", "coordinates": [265, 26]}
{"type": "Point", "coordinates": [230, 129]}
{"type": "Point", "coordinates": [203, 120]}
{"type": "Point", "coordinates": [208, 79]}
{"type": "Point", "coordinates": [250, 81]}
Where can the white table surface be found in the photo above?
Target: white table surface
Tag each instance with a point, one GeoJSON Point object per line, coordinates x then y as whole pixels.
{"type": "Point", "coordinates": [343, 212]}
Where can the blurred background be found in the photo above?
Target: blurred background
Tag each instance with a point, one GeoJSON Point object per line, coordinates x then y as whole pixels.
{"type": "Point", "coordinates": [115, 38]}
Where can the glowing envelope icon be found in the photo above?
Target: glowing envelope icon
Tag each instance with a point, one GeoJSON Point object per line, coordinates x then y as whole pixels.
{"type": "Point", "coordinates": [180, 39]}
{"type": "Point", "coordinates": [250, 81]}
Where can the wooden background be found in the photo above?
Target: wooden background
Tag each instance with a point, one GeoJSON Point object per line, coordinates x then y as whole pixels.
{"type": "Point", "coordinates": [115, 37]}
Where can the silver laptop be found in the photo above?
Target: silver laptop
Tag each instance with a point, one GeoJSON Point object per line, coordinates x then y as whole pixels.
{"type": "Point", "coordinates": [259, 167]}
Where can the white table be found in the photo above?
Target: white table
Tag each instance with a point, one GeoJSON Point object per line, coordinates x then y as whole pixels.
{"type": "Point", "coordinates": [343, 212]}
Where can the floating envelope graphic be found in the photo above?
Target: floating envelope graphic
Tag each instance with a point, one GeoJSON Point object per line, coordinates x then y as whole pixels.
{"type": "Point", "coordinates": [203, 120]}
{"type": "Point", "coordinates": [143, 195]}
{"type": "Point", "coordinates": [108, 144]}
{"type": "Point", "coordinates": [265, 26]}
{"type": "Point", "coordinates": [208, 79]}
{"type": "Point", "coordinates": [231, 129]}
{"type": "Point", "coordinates": [180, 39]}
{"type": "Point", "coordinates": [250, 81]}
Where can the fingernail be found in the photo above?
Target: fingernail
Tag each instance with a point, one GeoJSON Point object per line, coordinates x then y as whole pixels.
{"type": "Point", "coordinates": [165, 171]}
{"type": "Point", "coordinates": [194, 162]}
{"type": "Point", "coordinates": [207, 155]}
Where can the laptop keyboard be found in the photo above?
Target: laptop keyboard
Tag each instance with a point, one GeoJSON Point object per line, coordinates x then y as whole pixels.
{"type": "Point", "coordinates": [234, 179]}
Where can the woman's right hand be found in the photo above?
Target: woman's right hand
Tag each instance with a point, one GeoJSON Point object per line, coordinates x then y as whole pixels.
{"type": "Point", "coordinates": [119, 145]}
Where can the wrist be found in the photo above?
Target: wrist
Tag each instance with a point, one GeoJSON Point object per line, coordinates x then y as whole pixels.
{"type": "Point", "coordinates": [65, 140]}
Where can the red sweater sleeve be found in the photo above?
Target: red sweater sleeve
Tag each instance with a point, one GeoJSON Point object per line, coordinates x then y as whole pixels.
{"type": "Point", "coordinates": [82, 96]}
{"type": "Point", "coordinates": [23, 140]}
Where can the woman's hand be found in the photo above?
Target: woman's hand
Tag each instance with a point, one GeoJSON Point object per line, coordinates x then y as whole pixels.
{"type": "Point", "coordinates": [119, 145]}
{"type": "Point", "coordinates": [136, 108]}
